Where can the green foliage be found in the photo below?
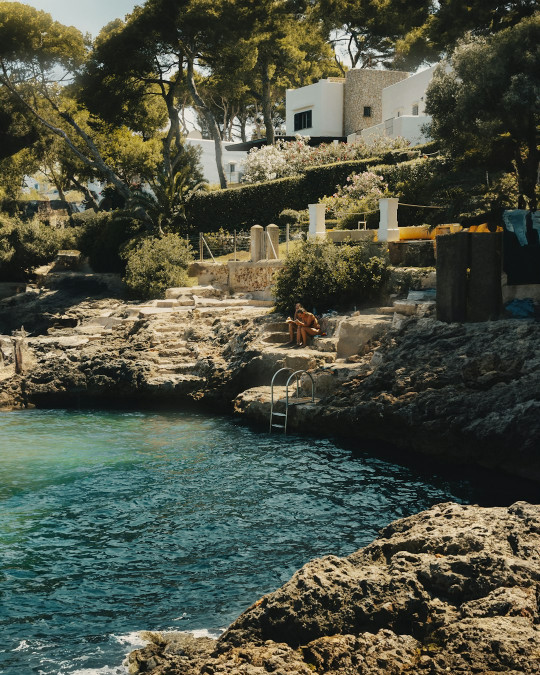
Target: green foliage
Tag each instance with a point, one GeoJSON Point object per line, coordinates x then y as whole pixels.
{"type": "Point", "coordinates": [448, 21]}
{"type": "Point", "coordinates": [262, 203]}
{"type": "Point", "coordinates": [488, 93]}
{"type": "Point", "coordinates": [102, 237]}
{"type": "Point", "coordinates": [154, 264]}
{"type": "Point", "coordinates": [324, 276]}
{"type": "Point", "coordinates": [26, 245]}
{"type": "Point", "coordinates": [222, 242]}
{"type": "Point", "coordinates": [290, 217]}
{"type": "Point", "coordinates": [164, 209]}
{"type": "Point", "coordinates": [349, 221]}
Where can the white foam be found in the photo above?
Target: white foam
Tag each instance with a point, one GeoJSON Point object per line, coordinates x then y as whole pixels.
{"type": "Point", "coordinates": [22, 646]}
{"type": "Point", "coordinates": [203, 632]}
{"type": "Point", "coordinates": [106, 670]}
{"type": "Point", "coordinates": [132, 639]}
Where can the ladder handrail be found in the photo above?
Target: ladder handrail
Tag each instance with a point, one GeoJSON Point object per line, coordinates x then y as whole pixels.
{"type": "Point", "coordinates": [272, 393]}
{"type": "Point", "coordinates": [296, 374]}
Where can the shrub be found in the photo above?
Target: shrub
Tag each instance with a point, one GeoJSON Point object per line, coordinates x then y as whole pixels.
{"type": "Point", "coordinates": [289, 217]}
{"type": "Point", "coordinates": [102, 236]}
{"type": "Point", "coordinates": [26, 245]}
{"type": "Point", "coordinates": [261, 203]}
{"type": "Point", "coordinates": [154, 264]}
{"type": "Point", "coordinates": [324, 276]}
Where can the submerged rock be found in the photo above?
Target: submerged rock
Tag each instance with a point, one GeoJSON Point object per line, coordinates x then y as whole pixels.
{"type": "Point", "coordinates": [453, 589]}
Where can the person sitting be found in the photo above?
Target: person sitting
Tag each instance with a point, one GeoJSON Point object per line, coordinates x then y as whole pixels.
{"type": "Point", "coordinates": [306, 325]}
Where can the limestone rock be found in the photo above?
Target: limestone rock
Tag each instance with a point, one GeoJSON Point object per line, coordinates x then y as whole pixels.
{"type": "Point", "coordinates": [355, 332]}
{"type": "Point", "coordinates": [453, 589]}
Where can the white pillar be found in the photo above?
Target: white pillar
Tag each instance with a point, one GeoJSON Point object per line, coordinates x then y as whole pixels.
{"type": "Point", "coordinates": [317, 225]}
{"type": "Point", "coordinates": [388, 223]}
{"type": "Point", "coordinates": [257, 243]}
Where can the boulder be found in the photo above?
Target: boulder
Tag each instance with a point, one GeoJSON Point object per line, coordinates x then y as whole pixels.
{"type": "Point", "coordinates": [355, 332]}
{"type": "Point", "coordinates": [452, 589]}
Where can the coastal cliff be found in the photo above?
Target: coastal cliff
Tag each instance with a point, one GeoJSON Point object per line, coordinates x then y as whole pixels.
{"type": "Point", "coordinates": [464, 393]}
{"type": "Point", "coordinates": [452, 589]}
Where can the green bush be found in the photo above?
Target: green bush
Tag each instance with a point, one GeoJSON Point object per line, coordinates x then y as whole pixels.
{"type": "Point", "coordinates": [349, 221]}
{"type": "Point", "coordinates": [323, 276]}
{"type": "Point", "coordinates": [154, 264]}
{"type": "Point", "coordinates": [26, 245]}
{"type": "Point", "coordinates": [262, 203]}
{"type": "Point", "coordinates": [102, 236]}
{"type": "Point", "coordinates": [289, 217]}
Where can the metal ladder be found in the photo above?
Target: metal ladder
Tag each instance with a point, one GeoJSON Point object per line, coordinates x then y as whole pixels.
{"type": "Point", "coordinates": [284, 415]}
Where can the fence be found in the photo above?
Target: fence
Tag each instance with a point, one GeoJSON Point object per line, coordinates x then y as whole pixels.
{"type": "Point", "coordinates": [236, 245]}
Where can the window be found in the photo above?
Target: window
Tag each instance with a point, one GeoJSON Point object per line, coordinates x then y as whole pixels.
{"type": "Point", "coordinates": [302, 120]}
{"type": "Point", "coordinates": [415, 109]}
{"type": "Point", "coordinates": [367, 111]}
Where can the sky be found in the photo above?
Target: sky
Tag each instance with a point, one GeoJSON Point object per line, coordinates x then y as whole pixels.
{"type": "Point", "coordinates": [89, 16]}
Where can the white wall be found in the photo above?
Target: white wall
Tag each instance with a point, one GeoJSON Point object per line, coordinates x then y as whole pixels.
{"type": "Point", "coordinates": [325, 100]}
{"type": "Point", "coordinates": [406, 126]}
{"type": "Point", "coordinates": [401, 96]}
{"type": "Point", "coordinates": [208, 160]}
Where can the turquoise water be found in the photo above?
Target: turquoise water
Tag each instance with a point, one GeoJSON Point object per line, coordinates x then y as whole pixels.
{"type": "Point", "coordinates": [115, 522]}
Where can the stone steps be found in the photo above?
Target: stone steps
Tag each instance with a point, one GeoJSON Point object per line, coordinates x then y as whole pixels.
{"type": "Point", "coordinates": [169, 381]}
{"type": "Point", "coordinates": [186, 367]}
{"type": "Point", "coordinates": [169, 351]}
{"type": "Point", "coordinates": [276, 338]}
{"type": "Point", "coordinates": [278, 326]}
{"type": "Point", "coordinates": [324, 344]}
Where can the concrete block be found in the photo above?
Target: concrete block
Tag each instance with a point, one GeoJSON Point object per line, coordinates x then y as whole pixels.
{"type": "Point", "coordinates": [355, 332]}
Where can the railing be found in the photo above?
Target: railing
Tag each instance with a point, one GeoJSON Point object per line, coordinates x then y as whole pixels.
{"type": "Point", "coordinates": [296, 375]}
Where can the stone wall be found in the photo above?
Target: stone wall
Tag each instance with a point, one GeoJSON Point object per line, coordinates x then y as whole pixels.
{"type": "Point", "coordinates": [237, 276]}
{"type": "Point", "coordinates": [364, 88]}
{"type": "Point", "coordinates": [245, 277]}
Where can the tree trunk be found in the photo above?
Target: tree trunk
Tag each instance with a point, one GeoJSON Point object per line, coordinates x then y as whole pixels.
{"type": "Point", "coordinates": [243, 135]}
{"type": "Point", "coordinates": [87, 193]}
{"type": "Point", "coordinates": [173, 134]}
{"type": "Point", "coordinates": [58, 184]}
{"type": "Point", "coordinates": [210, 120]}
{"type": "Point", "coordinates": [267, 103]}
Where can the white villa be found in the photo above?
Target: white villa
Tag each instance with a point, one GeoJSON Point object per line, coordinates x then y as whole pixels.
{"type": "Point", "coordinates": [364, 103]}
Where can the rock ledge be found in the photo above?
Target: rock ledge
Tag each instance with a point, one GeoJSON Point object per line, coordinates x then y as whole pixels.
{"type": "Point", "coordinates": [453, 589]}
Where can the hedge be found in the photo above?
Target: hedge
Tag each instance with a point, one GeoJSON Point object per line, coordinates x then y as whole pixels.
{"type": "Point", "coordinates": [261, 203]}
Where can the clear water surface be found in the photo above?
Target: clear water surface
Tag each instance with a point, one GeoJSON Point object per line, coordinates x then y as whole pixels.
{"type": "Point", "coordinates": [116, 522]}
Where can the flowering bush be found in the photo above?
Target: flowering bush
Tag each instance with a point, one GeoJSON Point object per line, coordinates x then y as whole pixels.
{"type": "Point", "coordinates": [290, 158]}
{"type": "Point", "coordinates": [360, 194]}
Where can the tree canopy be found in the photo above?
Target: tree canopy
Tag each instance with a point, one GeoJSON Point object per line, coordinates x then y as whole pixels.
{"type": "Point", "coordinates": [488, 90]}
{"type": "Point", "coordinates": [448, 21]}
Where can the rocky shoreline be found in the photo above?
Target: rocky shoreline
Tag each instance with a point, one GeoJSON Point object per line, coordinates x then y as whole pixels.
{"type": "Point", "coordinates": [453, 589]}
{"type": "Point", "coordinates": [464, 393]}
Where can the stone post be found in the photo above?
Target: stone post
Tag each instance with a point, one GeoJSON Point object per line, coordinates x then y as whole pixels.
{"type": "Point", "coordinates": [18, 355]}
{"type": "Point", "coordinates": [317, 225]}
{"type": "Point", "coordinates": [257, 243]}
{"type": "Point", "coordinates": [272, 242]}
{"type": "Point", "coordinates": [388, 222]}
